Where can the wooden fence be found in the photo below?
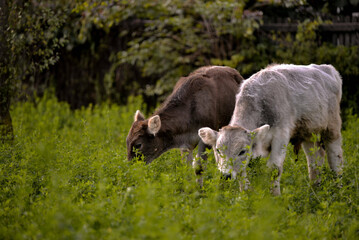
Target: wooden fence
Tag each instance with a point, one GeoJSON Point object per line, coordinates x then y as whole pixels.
{"type": "Point", "coordinates": [343, 30]}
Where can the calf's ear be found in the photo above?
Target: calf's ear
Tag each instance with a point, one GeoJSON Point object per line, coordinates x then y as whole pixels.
{"type": "Point", "coordinates": [261, 132]}
{"type": "Point", "coordinates": [208, 136]}
{"type": "Point", "coordinates": [139, 116]}
{"type": "Point", "coordinates": [154, 124]}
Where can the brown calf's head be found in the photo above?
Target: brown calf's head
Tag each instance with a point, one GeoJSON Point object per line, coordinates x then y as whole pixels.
{"type": "Point", "coordinates": [143, 138]}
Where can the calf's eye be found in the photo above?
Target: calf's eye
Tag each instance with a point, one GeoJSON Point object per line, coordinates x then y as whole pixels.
{"type": "Point", "coordinates": [241, 152]}
{"type": "Point", "coordinates": [138, 145]}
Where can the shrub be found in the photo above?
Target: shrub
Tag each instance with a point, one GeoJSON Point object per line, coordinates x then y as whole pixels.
{"type": "Point", "coordinates": [66, 176]}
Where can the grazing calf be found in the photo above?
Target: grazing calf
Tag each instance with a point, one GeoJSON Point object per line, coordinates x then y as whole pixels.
{"type": "Point", "coordinates": [279, 104]}
{"type": "Point", "coordinates": [205, 98]}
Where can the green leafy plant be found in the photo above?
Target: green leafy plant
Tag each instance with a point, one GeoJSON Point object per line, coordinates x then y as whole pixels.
{"type": "Point", "coordinates": [67, 176]}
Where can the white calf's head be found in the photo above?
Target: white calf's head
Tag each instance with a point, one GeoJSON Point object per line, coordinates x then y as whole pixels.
{"type": "Point", "coordinates": [234, 145]}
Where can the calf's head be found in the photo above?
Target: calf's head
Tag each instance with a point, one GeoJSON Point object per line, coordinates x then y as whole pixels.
{"type": "Point", "coordinates": [143, 138]}
{"type": "Point", "coordinates": [234, 145]}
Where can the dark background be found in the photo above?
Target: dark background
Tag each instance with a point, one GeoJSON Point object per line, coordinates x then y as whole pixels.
{"type": "Point", "coordinates": [89, 52]}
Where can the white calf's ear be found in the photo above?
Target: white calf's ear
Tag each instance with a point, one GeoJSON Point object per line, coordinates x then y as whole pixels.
{"type": "Point", "coordinates": [208, 136]}
{"type": "Point", "coordinates": [154, 124]}
{"type": "Point", "coordinates": [261, 132]}
{"type": "Point", "coordinates": [139, 116]}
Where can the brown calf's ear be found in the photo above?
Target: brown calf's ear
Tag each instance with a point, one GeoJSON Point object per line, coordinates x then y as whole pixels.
{"type": "Point", "coordinates": [154, 124]}
{"type": "Point", "coordinates": [261, 132]}
{"type": "Point", "coordinates": [139, 116]}
{"type": "Point", "coordinates": [208, 136]}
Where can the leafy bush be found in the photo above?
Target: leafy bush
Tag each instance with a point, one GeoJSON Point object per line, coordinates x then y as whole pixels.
{"type": "Point", "coordinates": [93, 51]}
{"type": "Point", "coordinates": [66, 177]}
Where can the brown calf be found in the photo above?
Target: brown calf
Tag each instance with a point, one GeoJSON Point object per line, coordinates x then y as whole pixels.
{"type": "Point", "coordinates": [206, 98]}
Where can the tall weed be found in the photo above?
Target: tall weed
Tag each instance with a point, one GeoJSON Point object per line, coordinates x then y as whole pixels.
{"type": "Point", "coordinates": [66, 177]}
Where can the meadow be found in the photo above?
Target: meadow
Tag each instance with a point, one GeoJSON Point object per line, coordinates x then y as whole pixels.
{"type": "Point", "coordinates": [66, 176]}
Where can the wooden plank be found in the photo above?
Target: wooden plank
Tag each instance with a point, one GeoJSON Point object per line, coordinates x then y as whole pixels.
{"type": "Point", "coordinates": [356, 39]}
{"type": "Point", "coordinates": [342, 30]}
{"type": "Point", "coordinates": [340, 27]}
{"type": "Point", "coordinates": [353, 39]}
{"type": "Point", "coordinates": [281, 27]}
{"type": "Point", "coordinates": [341, 39]}
{"type": "Point", "coordinates": [334, 39]}
{"type": "Point", "coordinates": [292, 27]}
{"type": "Point", "coordinates": [347, 39]}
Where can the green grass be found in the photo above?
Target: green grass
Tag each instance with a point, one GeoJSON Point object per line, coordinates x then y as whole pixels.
{"type": "Point", "coordinates": [66, 177]}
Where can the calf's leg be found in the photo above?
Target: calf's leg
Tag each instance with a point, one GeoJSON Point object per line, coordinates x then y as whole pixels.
{"type": "Point", "coordinates": [333, 143]}
{"type": "Point", "coordinates": [276, 159]}
{"type": "Point", "coordinates": [201, 150]}
{"type": "Point", "coordinates": [335, 154]}
{"type": "Point", "coordinates": [187, 154]}
{"type": "Point", "coordinates": [197, 164]}
{"type": "Point", "coordinates": [315, 158]}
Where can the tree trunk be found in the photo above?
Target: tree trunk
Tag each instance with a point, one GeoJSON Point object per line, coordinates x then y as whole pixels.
{"type": "Point", "coordinates": [6, 130]}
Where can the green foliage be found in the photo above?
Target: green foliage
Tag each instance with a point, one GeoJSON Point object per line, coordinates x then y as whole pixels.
{"type": "Point", "coordinates": [33, 36]}
{"type": "Point", "coordinates": [176, 36]}
{"type": "Point", "coordinates": [108, 50]}
{"type": "Point", "coordinates": [66, 177]}
{"type": "Point", "coordinates": [303, 49]}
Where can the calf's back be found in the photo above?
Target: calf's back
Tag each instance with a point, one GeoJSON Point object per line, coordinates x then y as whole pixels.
{"type": "Point", "coordinates": [290, 95]}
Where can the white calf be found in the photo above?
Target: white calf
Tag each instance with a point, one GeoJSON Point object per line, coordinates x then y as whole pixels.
{"type": "Point", "coordinates": [278, 105]}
